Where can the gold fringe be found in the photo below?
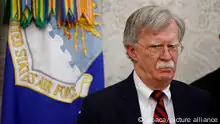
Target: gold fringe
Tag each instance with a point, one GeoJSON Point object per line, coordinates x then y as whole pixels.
{"type": "Point", "coordinates": [75, 38]}
{"type": "Point", "coordinates": [83, 42]}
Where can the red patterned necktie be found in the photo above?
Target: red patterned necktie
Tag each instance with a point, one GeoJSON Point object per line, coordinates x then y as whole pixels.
{"type": "Point", "coordinates": [160, 114]}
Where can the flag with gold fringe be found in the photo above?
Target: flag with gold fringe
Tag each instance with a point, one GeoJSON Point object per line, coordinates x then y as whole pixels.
{"type": "Point", "coordinates": [53, 60]}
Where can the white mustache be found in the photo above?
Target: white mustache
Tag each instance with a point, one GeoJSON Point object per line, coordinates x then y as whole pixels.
{"type": "Point", "coordinates": [169, 64]}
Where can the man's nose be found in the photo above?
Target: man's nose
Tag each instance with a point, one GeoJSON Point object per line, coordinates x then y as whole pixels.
{"type": "Point", "coordinates": [165, 55]}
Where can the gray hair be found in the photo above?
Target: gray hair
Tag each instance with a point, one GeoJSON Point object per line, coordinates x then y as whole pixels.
{"type": "Point", "coordinates": [153, 18]}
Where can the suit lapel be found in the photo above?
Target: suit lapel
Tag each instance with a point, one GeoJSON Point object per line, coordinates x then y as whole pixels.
{"type": "Point", "coordinates": [128, 105]}
{"type": "Point", "coordinates": [129, 109]}
{"type": "Point", "coordinates": [180, 102]}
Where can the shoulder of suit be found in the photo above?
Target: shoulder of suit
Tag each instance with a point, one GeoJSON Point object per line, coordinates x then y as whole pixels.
{"type": "Point", "coordinates": [192, 91]}
{"type": "Point", "coordinates": [210, 80]}
{"type": "Point", "coordinates": [107, 94]}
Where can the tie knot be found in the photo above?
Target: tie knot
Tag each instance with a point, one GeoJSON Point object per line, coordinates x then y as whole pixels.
{"type": "Point", "coordinates": [158, 95]}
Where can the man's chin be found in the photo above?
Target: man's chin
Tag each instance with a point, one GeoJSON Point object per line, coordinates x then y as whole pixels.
{"type": "Point", "coordinates": [165, 74]}
{"type": "Point", "coordinates": [166, 77]}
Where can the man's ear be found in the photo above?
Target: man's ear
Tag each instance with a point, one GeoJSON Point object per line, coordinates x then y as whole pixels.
{"type": "Point", "coordinates": [132, 53]}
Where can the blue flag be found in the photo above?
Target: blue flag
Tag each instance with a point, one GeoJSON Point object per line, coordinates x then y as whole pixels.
{"type": "Point", "coordinates": [49, 71]}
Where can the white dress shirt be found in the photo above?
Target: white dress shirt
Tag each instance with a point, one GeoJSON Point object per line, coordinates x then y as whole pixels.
{"type": "Point", "coordinates": [148, 104]}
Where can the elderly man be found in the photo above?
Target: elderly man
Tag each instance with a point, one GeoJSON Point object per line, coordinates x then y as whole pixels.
{"type": "Point", "coordinates": [152, 39]}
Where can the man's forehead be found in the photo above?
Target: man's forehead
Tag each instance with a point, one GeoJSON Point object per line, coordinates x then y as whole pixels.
{"type": "Point", "coordinates": [155, 31]}
{"type": "Point", "coordinates": [159, 36]}
{"type": "Point", "coordinates": [162, 42]}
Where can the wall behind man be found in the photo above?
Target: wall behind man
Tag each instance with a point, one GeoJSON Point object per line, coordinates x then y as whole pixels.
{"type": "Point", "coordinates": [202, 47]}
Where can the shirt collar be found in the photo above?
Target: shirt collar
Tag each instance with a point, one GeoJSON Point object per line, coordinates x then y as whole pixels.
{"type": "Point", "coordinates": [145, 91]}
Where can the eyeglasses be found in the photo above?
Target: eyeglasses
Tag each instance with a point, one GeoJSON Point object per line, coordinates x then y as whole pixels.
{"type": "Point", "coordinates": [159, 48]}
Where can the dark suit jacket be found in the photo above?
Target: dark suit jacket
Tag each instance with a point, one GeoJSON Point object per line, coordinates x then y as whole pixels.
{"type": "Point", "coordinates": [118, 104]}
{"type": "Point", "coordinates": [211, 83]}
